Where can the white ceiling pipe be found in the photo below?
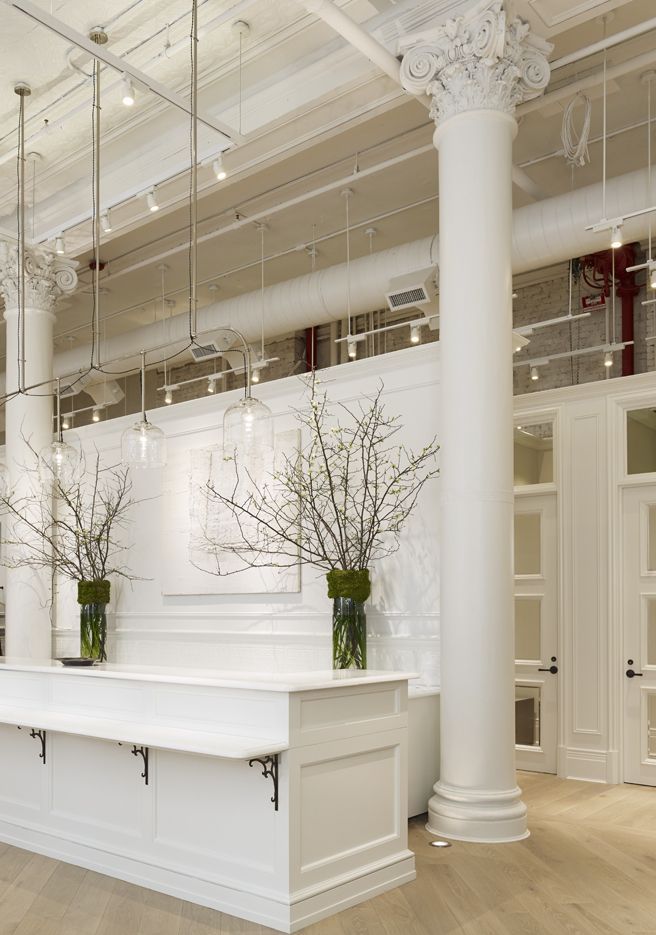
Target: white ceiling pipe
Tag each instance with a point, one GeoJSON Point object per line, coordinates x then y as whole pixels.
{"type": "Point", "coordinates": [631, 33]}
{"type": "Point", "coordinates": [545, 233]}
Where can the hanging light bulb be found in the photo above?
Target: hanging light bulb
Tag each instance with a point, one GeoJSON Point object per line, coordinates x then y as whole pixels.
{"type": "Point", "coordinates": [151, 200]}
{"type": "Point", "coordinates": [608, 359]}
{"type": "Point", "coordinates": [128, 95]}
{"type": "Point", "coordinates": [248, 427]}
{"type": "Point", "coordinates": [96, 415]}
{"type": "Point", "coordinates": [616, 237]}
{"type": "Point", "coordinates": [352, 347]}
{"type": "Point", "coordinates": [143, 445]}
{"type": "Point", "coordinates": [535, 375]}
{"type": "Point", "coordinates": [106, 222]}
{"type": "Point", "coordinates": [58, 462]}
{"type": "Point", "coordinates": [415, 334]}
{"type": "Point", "coordinates": [219, 169]}
{"type": "Point", "coordinates": [60, 247]}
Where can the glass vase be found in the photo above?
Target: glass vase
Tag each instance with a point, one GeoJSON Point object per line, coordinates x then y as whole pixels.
{"type": "Point", "coordinates": [349, 634]}
{"type": "Point", "coordinates": [93, 631]}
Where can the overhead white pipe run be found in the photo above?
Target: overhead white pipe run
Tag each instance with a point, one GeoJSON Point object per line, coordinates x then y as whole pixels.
{"type": "Point", "coordinates": [608, 43]}
{"type": "Point", "coordinates": [544, 233]}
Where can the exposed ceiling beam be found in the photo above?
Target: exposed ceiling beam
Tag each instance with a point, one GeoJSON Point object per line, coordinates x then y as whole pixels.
{"type": "Point", "coordinates": [121, 65]}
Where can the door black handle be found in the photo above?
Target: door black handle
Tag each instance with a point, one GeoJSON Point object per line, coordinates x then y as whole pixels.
{"type": "Point", "coordinates": [552, 669]}
{"type": "Point", "coordinates": [630, 674]}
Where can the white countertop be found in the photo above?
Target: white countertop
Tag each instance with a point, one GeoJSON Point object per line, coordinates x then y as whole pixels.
{"type": "Point", "coordinates": [255, 681]}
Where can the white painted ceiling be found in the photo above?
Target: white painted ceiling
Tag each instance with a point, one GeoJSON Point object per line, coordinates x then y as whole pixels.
{"type": "Point", "coordinates": [313, 111]}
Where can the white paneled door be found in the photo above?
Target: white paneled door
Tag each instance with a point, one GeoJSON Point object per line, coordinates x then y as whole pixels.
{"type": "Point", "coordinates": [536, 632]}
{"type": "Point", "coordinates": [639, 628]}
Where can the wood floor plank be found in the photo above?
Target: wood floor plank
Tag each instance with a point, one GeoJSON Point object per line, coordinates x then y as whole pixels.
{"type": "Point", "coordinates": [588, 868]}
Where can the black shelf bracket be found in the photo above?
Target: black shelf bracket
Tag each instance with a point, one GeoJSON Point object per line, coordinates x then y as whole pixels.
{"type": "Point", "coordinates": [143, 752]}
{"type": "Point", "coordinates": [40, 735]}
{"type": "Point", "coordinates": [269, 766]}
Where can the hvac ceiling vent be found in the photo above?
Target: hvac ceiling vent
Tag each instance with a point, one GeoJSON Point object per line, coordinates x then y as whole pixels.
{"type": "Point", "coordinates": [413, 290]}
{"type": "Point", "coordinates": [202, 352]}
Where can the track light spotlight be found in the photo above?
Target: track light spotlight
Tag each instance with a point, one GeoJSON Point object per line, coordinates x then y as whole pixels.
{"type": "Point", "coordinates": [255, 376]}
{"type": "Point", "coordinates": [168, 397]}
{"type": "Point", "coordinates": [106, 222]}
{"type": "Point", "coordinates": [60, 247]}
{"type": "Point", "coordinates": [210, 384]}
{"type": "Point", "coordinates": [66, 423]}
{"type": "Point", "coordinates": [616, 236]}
{"type": "Point", "coordinates": [96, 415]}
{"type": "Point", "coordinates": [151, 200]}
{"type": "Point", "coordinates": [535, 374]}
{"type": "Point", "coordinates": [128, 95]}
{"type": "Point", "coordinates": [219, 169]}
{"type": "Point", "coordinates": [608, 359]}
{"type": "Point", "coordinates": [415, 334]}
{"type": "Point", "coordinates": [352, 346]}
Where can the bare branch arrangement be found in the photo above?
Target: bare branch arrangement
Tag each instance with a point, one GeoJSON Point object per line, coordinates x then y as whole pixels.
{"type": "Point", "coordinates": [70, 527]}
{"type": "Point", "coordinates": [339, 503]}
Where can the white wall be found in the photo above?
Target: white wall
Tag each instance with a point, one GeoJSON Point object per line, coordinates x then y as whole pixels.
{"type": "Point", "coordinates": [284, 631]}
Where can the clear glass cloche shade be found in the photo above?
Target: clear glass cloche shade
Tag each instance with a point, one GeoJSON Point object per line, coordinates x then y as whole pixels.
{"type": "Point", "coordinates": [247, 426]}
{"type": "Point", "coordinates": [60, 463]}
{"type": "Point", "coordinates": [143, 445]}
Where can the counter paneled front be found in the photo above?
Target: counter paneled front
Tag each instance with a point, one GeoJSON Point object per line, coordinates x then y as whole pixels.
{"type": "Point", "coordinates": [277, 798]}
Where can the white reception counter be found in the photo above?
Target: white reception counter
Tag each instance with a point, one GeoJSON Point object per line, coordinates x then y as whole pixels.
{"type": "Point", "coordinates": [277, 798]}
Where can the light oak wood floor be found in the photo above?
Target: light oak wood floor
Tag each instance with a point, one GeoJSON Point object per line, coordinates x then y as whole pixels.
{"type": "Point", "coordinates": [589, 868]}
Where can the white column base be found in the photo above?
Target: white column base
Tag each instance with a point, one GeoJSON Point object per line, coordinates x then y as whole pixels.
{"type": "Point", "coordinates": [477, 816]}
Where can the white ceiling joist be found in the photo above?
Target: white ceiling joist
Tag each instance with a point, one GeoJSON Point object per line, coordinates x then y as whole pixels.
{"type": "Point", "coordinates": [95, 51]}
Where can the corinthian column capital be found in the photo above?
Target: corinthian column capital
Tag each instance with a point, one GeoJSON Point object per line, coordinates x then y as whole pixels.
{"type": "Point", "coordinates": [485, 60]}
{"type": "Point", "coordinates": [47, 277]}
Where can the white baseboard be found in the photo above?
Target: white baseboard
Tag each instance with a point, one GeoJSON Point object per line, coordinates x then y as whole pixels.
{"type": "Point", "coordinates": [272, 910]}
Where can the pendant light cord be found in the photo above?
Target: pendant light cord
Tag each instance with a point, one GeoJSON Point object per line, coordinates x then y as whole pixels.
{"type": "Point", "coordinates": [193, 178]}
{"type": "Point", "coordinates": [262, 228]}
{"type": "Point", "coordinates": [347, 197]}
{"type": "Point", "coordinates": [604, 116]}
{"type": "Point", "coordinates": [649, 81]}
{"type": "Point", "coordinates": [143, 386]}
{"type": "Point", "coordinates": [21, 244]}
{"type": "Point", "coordinates": [95, 197]}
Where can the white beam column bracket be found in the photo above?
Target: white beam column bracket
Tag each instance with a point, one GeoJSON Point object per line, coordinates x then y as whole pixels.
{"type": "Point", "coordinates": [476, 68]}
{"type": "Point", "coordinates": [29, 426]}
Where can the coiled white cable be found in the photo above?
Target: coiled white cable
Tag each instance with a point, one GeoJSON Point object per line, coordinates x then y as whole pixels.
{"type": "Point", "coordinates": [575, 145]}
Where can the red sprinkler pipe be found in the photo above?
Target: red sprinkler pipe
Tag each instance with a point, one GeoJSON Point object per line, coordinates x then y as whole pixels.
{"type": "Point", "coordinates": [598, 272]}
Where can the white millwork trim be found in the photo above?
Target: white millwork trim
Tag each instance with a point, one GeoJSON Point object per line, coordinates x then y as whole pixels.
{"type": "Point", "coordinates": [29, 422]}
{"type": "Point", "coordinates": [476, 68]}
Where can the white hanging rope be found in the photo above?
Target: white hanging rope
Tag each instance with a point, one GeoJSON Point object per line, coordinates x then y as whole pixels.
{"type": "Point", "coordinates": [575, 143]}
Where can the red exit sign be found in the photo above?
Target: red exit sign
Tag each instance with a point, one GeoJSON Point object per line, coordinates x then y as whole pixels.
{"type": "Point", "coordinates": [593, 301]}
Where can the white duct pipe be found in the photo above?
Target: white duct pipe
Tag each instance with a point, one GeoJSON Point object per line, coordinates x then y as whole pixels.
{"type": "Point", "coordinates": [544, 233]}
{"type": "Point", "coordinates": [314, 299]}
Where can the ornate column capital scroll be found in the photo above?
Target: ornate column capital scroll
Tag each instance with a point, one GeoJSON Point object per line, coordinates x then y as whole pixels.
{"type": "Point", "coordinates": [47, 277]}
{"type": "Point", "coordinates": [486, 59]}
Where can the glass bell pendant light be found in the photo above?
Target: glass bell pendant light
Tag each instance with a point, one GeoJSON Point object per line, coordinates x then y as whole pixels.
{"type": "Point", "coordinates": [248, 424]}
{"type": "Point", "coordinates": [143, 445]}
{"type": "Point", "coordinates": [60, 463]}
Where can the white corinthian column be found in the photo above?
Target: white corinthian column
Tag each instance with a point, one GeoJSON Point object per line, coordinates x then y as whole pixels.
{"type": "Point", "coordinates": [476, 69]}
{"type": "Point", "coordinates": [29, 426]}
